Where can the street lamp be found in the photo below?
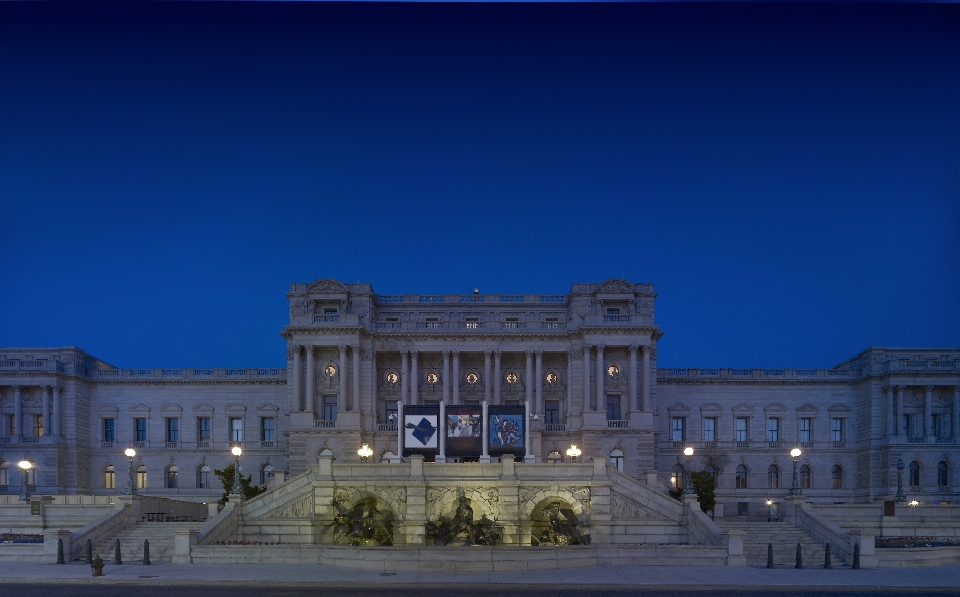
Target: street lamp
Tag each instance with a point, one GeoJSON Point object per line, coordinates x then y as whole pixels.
{"type": "Point", "coordinates": [24, 467]}
{"type": "Point", "coordinates": [900, 466]}
{"type": "Point", "coordinates": [131, 485]}
{"type": "Point", "coordinates": [365, 453]}
{"type": "Point", "coordinates": [573, 452]}
{"type": "Point", "coordinates": [236, 490]}
{"type": "Point", "coordinates": [769, 508]}
{"type": "Point", "coordinates": [687, 483]}
{"type": "Point", "coordinates": [795, 489]}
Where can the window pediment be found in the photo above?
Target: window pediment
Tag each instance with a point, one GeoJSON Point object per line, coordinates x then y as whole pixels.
{"type": "Point", "coordinates": [838, 408]}
{"type": "Point", "coordinates": [808, 408]}
{"type": "Point", "coordinates": [743, 408]}
{"type": "Point", "coordinates": [776, 407]}
{"type": "Point", "coordinates": [139, 408]}
{"type": "Point", "coordinates": [679, 407]}
{"type": "Point", "coordinates": [203, 409]}
{"type": "Point", "coordinates": [712, 407]}
{"type": "Point", "coordinates": [267, 407]}
{"type": "Point", "coordinates": [108, 410]}
{"type": "Point", "coordinates": [171, 408]}
{"type": "Point", "coordinates": [235, 409]}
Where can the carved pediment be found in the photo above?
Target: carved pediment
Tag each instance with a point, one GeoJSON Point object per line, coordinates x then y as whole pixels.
{"type": "Point", "coordinates": [616, 285]}
{"type": "Point", "coordinates": [712, 407]}
{"type": "Point", "coordinates": [743, 408]}
{"type": "Point", "coordinates": [235, 409]}
{"type": "Point", "coordinates": [267, 407]}
{"type": "Point", "coordinates": [107, 410]}
{"type": "Point", "coordinates": [776, 407]}
{"type": "Point", "coordinates": [327, 285]}
{"type": "Point", "coordinates": [139, 408]}
{"type": "Point", "coordinates": [203, 408]}
{"type": "Point", "coordinates": [170, 408]}
{"type": "Point", "coordinates": [838, 408]}
{"type": "Point", "coordinates": [808, 408]}
{"type": "Point", "coordinates": [679, 407]}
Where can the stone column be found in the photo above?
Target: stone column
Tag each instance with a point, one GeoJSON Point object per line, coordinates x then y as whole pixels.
{"type": "Point", "coordinates": [17, 412]}
{"type": "Point", "coordinates": [498, 383]}
{"type": "Point", "coordinates": [55, 416]}
{"type": "Point", "coordinates": [293, 378]}
{"type": "Point", "coordinates": [487, 382]}
{"type": "Point", "coordinates": [897, 408]}
{"type": "Point", "coordinates": [586, 377]}
{"type": "Point", "coordinates": [633, 380]}
{"type": "Point", "coordinates": [446, 376]}
{"type": "Point", "coordinates": [889, 398]}
{"type": "Point", "coordinates": [355, 398]}
{"type": "Point", "coordinates": [528, 455]}
{"type": "Point", "coordinates": [374, 380]}
{"type": "Point", "coordinates": [645, 388]}
{"type": "Point", "coordinates": [539, 384]}
{"type": "Point", "coordinates": [46, 409]}
{"type": "Point", "coordinates": [601, 397]}
{"type": "Point", "coordinates": [569, 405]}
{"type": "Point", "coordinates": [404, 376]}
{"type": "Point", "coordinates": [414, 378]}
{"type": "Point", "coordinates": [306, 403]}
{"type": "Point", "coordinates": [342, 398]}
{"type": "Point", "coordinates": [528, 382]}
{"type": "Point", "coordinates": [955, 417]}
{"type": "Point", "coordinates": [928, 415]}
{"type": "Point", "coordinates": [456, 377]}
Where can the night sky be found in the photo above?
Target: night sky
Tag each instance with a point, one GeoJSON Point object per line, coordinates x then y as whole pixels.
{"type": "Point", "coordinates": [787, 176]}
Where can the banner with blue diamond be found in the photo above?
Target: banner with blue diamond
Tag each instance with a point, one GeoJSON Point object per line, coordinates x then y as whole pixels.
{"type": "Point", "coordinates": [421, 432]}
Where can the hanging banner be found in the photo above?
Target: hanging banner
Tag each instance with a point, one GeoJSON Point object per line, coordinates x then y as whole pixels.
{"type": "Point", "coordinates": [421, 433]}
{"type": "Point", "coordinates": [464, 429]}
{"type": "Point", "coordinates": [507, 430]}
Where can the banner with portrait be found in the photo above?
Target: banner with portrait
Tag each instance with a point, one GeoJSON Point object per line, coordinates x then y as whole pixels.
{"type": "Point", "coordinates": [507, 430]}
{"type": "Point", "coordinates": [464, 429]}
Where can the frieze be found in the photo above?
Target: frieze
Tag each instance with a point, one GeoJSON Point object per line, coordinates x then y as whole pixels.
{"type": "Point", "coordinates": [327, 285]}
{"type": "Point", "coordinates": [624, 507]}
{"type": "Point", "coordinates": [302, 508]}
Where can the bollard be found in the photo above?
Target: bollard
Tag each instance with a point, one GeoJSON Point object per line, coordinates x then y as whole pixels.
{"type": "Point", "coordinates": [146, 552]}
{"type": "Point", "coordinates": [856, 557]}
{"type": "Point", "coordinates": [826, 558]}
{"type": "Point", "coordinates": [89, 552]}
{"type": "Point", "coordinates": [97, 566]}
{"type": "Point", "coordinates": [769, 555]}
{"type": "Point", "coordinates": [60, 551]}
{"type": "Point", "coordinates": [116, 554]}
{"type": "Point", "coordinates": [799, 565]}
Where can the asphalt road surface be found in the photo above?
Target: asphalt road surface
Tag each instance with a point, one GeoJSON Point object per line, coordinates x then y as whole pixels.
{"type": "Point", "coordinates": [147, 588]}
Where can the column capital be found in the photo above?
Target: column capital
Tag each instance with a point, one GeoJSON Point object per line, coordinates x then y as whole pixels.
{"type": "Point", "coordinates": [487, 353]}
{"type": "Point", "coordinates": [600, 347]}
{"type": "Point", "coordinates": [539, 353]}
{"type": "Point", "coordinates": [342, 347]}
{"type": "Point", "coordinates": [456, 352]}
{"type": "Point", "coordinates": [633, 348]}
{"type": "Point", "coordinates": [445, 353]}
{"type": "Point", "coordinates": [528, 352]}
{"type": "Point", "coordinates": [498, 352]}
{"type": "Point", "coordinates": [355, 346]}
{"type": "Point", "coordinates": [414, 352]}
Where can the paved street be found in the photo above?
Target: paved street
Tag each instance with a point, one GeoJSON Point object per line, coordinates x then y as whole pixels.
{"type": "Point", "coordinates": [25, 579]}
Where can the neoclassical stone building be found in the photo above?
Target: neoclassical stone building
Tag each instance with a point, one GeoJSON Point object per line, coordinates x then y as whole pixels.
{"type": "Point", "coordinates": [584, 362]}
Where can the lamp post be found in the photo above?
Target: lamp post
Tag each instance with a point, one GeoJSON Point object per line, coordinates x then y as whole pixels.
{"type": "Point", "coordinates": [900, 466]}
{"type": "Point", "coordinates": [236, 489]}
{"type": "Point", "coordinates": [24, 468]}
{"type": "Point", "coordinates": [769, 508]}
{"type": "Point", "coordinates": [365, 453]}
{"type": "Point", "coordinates": [687, 483]}
{"type": "Point", "coordinates": [795, 489]}
{"type": "Point", "coordinates": [131, 485]}
{"type": "Point", "coordinates": [573, 452]}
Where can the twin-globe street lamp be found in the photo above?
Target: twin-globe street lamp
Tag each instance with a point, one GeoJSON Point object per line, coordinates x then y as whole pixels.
{"type": "Point", "coordinates": [25, 467]}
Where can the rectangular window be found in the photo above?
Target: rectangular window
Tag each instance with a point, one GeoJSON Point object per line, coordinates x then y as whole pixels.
{"type": "Point", "coordinates": [677, 429]}
{"type": "Point", "coordinates": [710, 430]}
{"type": "Point", "coordinates": [613, 407]}
{"type": "Point", "coordinates": [173, 429]}
{"type": "Point", "coordinates": [37, 425]}
{"type": "Point", "coordinates": [236, 429]}
{"type": "Point", "coordinates": [267, 429]}
{"type": "Point", "coordinates": [908, 425]}
{"type": "Point", "coordinates": [473, 323]}
{"type": "Point", "coordinates": [109, 433]}
{"type": "Point", "coordinates": [741, 430]}
{"type": "Point", "coordinates": [836, 430]}
{"type": "Point", "coordinates": [10, 427]}
{"type": "Point", "coordinates": [329, 408]}
{"type": "Point", "coordinates": [390, 412]}
{"type": "Point", "coordinates": [551, 412]}
{"type": "Point", "coordinates": [613, 311]}
{"type": "Point", "coordinates": [773, 430]}
{"type": "Point", "coordinates": [109, 478]}
{"type": "Point", "coordinates": [805, 426]}
{"type": "Point", "coordinates": [330, 311]}
{"type": "Point", "coordinates": [139, 430]}
{"type": "Point", "coordinates": [203, 429]}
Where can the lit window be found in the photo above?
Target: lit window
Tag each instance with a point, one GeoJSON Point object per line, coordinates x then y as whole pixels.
{"type": "Point", "coordinates": [552, 378]}
{"type": "Point", "coordinates": [109, 478]}
{"type": "Point", "coordinates": [472, 378]}
{"type": "Point", "coordinates": [805, 477]}
{"type": "Point", "coordinates": [432, 378]}
{"type": "Point", "coordinates": [392, 378]}
{"type": "Point", "coordinates": [613, 370]}
{"type": "Point", "coordinates": [37, 425]}
{"type": "Point", "coordinates": [141, 477]}
{"type": "Point", "coordinates": [172, 473]}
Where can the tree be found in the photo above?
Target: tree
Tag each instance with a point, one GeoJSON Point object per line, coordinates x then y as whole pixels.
{"type": "Point", "coordinates": [705, 486]}
{"type": "Point", "coordinates": [246, 486]}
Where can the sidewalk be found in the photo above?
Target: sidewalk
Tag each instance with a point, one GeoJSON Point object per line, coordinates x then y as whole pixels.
{"type": "Point", "coordinates": [660, 576]}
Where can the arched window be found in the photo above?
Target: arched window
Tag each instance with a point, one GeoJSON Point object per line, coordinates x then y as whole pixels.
{"type": "Point", "coordinates": [741, 476]}
{"type": "Point", "coordinates": [203, 477]}
{"type": "Point", "coordinates": [915, 474]}
{"type": "Point", "coordinates": [804, 477]}
{"type": "Point", "coordinates": [773, 477]}
{"type": "Point", "coordinates": [266, 473]}
{"type": "Point", "coordinates": [836, 477]}
{"type": "Point", "coordinates": [172, 473]}
{"type": "Point", "coordinates": [109, 477]}
{"type": "Point", "coordinates": [142, 477]}
{"type": "Point", "coordinates": [554, 457]}
{"type": "Point", "coordinates": [616, 458]}
{"type": "Point", "coordinates": [943, 474]}
{"type": "Point", "coordinates": [676, 476]}
{"type": "Point", "coordinates": [387, 456]}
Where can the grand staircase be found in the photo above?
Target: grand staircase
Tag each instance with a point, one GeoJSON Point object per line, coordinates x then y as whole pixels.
{"type": "Point", "coordinates": [160, 535]}
{"type": "Point", "coordinates": [784, 536]}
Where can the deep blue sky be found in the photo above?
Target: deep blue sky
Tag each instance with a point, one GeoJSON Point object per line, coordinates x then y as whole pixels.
{"type": "Point", "coordinates": [787, 176]}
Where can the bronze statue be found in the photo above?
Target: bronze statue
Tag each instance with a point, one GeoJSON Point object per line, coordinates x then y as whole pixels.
{"type": "Point", "coordinates": [364, 524]}
{"type": "Point", "coordinates": [461, 528]}
{"type": "Point", "coordinates": [561, 527]}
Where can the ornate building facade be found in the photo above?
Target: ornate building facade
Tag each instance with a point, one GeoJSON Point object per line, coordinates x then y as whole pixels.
{"type": "Point", "coordinates": [584, 362]}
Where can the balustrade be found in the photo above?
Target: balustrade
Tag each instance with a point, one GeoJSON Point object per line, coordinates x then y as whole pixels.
{"type": "Point", "coordinates": [324, 424]}
{"type": "Point", "coordinates": [621, 424]}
